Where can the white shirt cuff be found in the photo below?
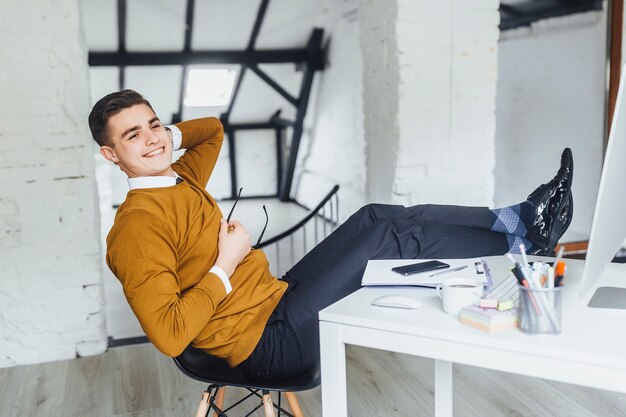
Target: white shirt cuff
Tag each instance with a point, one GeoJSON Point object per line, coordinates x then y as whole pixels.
{"type": "Point", "coordinates": [222, 275]}
{"type": "Point", "coordinates": [177, 137]}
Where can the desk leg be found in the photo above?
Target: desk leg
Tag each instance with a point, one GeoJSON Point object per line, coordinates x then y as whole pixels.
{"type": "Point", "coordinates": [443, 388]}
{"type": "Point", "coordinates": [333, 367]}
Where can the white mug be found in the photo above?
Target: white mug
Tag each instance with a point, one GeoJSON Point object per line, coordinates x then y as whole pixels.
{"type": "Point", "coordinates": [457, 293]}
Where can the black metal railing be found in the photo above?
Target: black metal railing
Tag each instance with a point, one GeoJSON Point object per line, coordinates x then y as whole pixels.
{"type": "Point", "coordinates": [286, 248]}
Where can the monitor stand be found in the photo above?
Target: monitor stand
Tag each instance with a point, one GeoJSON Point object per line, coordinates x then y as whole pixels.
{"type": "Point", "coordinates": [609, 297]}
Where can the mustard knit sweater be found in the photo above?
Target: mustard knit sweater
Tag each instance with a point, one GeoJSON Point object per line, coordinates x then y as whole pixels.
{"type": "Point", "coordinates": [163, 243]}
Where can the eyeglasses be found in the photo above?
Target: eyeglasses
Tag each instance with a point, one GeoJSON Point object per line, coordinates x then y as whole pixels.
{"type": "Point", "coordinates": [230, 213]}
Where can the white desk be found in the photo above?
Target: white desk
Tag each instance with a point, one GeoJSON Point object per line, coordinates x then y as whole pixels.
{"type": "Point", "coordinates": [590, 351]}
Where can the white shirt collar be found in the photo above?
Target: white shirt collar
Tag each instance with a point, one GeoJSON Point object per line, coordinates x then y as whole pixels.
{"type": "Point", "coordinates": [151, 182]}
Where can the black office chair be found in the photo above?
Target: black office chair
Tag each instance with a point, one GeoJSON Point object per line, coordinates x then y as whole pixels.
{"type": "Point", "coordinates": [200, 366]}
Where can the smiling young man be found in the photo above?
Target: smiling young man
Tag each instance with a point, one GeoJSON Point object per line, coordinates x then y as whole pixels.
{"type": "Point", "coordinates": [169, 246]}
{"type": "Point", "coordinates": [191, 278]}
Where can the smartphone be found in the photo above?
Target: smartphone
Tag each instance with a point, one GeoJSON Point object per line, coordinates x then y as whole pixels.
{"type": "Point", "coordinates": [420, 267]}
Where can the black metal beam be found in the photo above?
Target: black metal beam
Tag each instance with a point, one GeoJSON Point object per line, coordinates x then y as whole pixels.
{"type": "Point", "coordinates": [121, 40]}
{"type": "Point", "coordinates": [250, 197]}
{"type": "Point", "coordinates": [191, 6]}
{"type": "Point", "coordinates": [233, 162]}
{"type": "Point", "coordinates": [249, 51]}
{"type": "Point", "coordinates": [178, 117]}
{"type": "Point", "coordinates": [279, 121]}
{"type": "Point", "coordinates": [250, 126]}
{"type": "Point", "coordinates": [525, 13]}
{"type": "Point", "coordinates": [314, 62]}
{"type": "Point", "coordinates": [279, 157]}
{"type": "Point", "coordinates": [264, 56]}
{"type": "Point", "coordinates": [257, 24]}
{"type": "Point", "coordinates": [224, 117]}
{"type": "Point", "coordinates": [274, 85]}
{"type": "Point", "coordinates": [245, 63]}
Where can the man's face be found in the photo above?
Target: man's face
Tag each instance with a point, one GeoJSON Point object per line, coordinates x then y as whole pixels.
{"type": "Point", "coordinates": [140, 144]}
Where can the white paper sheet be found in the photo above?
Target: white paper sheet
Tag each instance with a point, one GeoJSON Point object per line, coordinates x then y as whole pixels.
{"type": "Point", "coordinates": [378, 272]}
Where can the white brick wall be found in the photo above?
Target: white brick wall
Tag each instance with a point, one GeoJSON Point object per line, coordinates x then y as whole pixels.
{"type": "Point", "coordinates": [406, 109]}
{"type": "Point", "coordinates": [448, 70]}
{"type": "Point", "coordinates": [381, 94]}
{"type": "Point", "coordinates": [430, 70]}
{"type": "Point", "coordinates": [551, 94]}
{"type": "Point", "coordinates": [50, 275]}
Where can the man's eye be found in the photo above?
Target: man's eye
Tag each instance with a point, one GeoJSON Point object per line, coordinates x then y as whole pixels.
{"type": "Point", "coordinates": [133, 136]}
{"type": "Point", "coordinates": [156, 126]}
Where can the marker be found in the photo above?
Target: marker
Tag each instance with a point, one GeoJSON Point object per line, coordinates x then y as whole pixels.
{"type": "Point", "coordinates": [559, 281]}
{"type": "Point", "coordinates": [517, 268]}
{"type": "Point", "coordinates": [559, 273]}
{"type": "Point", "coordinates": [522, 249]}
{"type": "Point", "coordinates": [522, 271]}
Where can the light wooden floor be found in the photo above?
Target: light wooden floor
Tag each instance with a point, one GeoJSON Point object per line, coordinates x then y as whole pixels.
{"type": "Point", "coordinates": [137, 381]}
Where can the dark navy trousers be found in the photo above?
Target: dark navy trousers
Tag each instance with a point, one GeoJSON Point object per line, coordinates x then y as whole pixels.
{"type": "Point", "coordinates": [334, 268]}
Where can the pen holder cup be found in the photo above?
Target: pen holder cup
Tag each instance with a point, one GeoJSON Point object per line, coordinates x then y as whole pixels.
{"type": "Point", "coordinates": [539, 310]}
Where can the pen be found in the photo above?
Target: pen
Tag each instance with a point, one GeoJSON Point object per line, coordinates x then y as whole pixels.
{"type": "Point", "coordinates": [559, 255]}
{"type": "Point", "coordinates": [448, 270]}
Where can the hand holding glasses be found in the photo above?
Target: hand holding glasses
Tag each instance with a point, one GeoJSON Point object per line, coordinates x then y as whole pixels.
{"type": "Point", "coordinates": [230, 213]}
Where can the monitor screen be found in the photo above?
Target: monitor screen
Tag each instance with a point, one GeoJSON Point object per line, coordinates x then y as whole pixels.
{"type": "Point", "coordinates": [608, 228]}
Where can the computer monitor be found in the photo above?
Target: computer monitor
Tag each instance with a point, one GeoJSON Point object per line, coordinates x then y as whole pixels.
{"type": "Point", "coordinates": [608, 228]}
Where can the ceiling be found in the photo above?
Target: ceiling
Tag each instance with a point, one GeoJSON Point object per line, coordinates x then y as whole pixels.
{"type": "Point", "coordinates": [160, 26]}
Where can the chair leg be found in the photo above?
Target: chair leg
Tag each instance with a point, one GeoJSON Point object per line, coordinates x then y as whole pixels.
{"type": "Point", "coordinates": [219, 399]}
{"type": "Point", "coordinates": [294, 404]}
{"type": "Point", "coordinates": [204, 405]}
{"type": "Point", "coordinates": [268, 405]}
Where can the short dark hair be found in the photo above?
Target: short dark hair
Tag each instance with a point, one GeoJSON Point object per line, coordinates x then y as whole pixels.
{"type": "Point", "coordinates": [109, 106]}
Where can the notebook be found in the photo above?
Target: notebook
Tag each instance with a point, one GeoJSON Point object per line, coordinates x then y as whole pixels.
{"type": "Point", "coordinates": [378, 272]}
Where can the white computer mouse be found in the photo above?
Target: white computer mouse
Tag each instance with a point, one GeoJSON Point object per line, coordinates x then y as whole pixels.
{"type": "Point", "coordinates": [398, 301]}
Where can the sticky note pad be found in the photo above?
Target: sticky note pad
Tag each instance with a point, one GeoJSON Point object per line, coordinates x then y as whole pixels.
{"type": "Point", "coordinates": [505, 305]}
{"type": "Point", "coordinates": [488, 319]}
{"type": "Point", "coordinates": [488, 303]}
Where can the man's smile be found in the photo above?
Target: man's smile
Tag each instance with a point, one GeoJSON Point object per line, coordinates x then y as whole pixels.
{"type": "Point", "coordinates": [155, 152]}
